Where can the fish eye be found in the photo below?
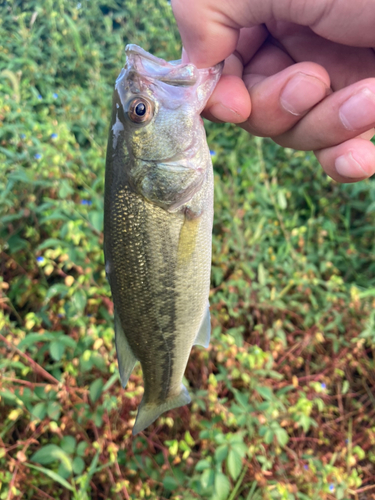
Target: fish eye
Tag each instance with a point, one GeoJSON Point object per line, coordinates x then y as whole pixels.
{"type": "Point", "coordinates": [140, 110]}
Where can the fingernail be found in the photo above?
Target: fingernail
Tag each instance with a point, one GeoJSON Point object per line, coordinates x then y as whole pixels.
{"type": "Point", "coordinates": [358, 111]}
{"type": "Point", "coordinates": [301, 93]}
{"type": "Point", "coordinates": [347, 166]}
{"type": "Point", "coordinates": [184, 57]}
{"type": "Point", "coordinates": [224, 114]}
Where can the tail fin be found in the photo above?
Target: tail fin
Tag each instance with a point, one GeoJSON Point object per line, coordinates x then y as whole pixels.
{"type": "Point", "coordinates": [148, 413]}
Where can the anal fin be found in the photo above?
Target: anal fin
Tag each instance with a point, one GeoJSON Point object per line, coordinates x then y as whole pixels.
{"type": "Point", "coordinates": [204, 334]}
{"type": "Point", "coordinates": [148, 412]}
{"type": "Point", "coordinates": [125, 356]}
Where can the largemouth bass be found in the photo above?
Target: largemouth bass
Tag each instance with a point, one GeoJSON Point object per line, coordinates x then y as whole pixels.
{"type": "Point", "coordinates": [158, 223]}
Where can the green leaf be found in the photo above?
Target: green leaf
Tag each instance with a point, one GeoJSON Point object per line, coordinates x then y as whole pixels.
{"type": "Point", "coordinates": [357, 450]}
{"type": "Point", "coordinates": [68, 444]}
{"type": "Point", "coordinates": [81, 447]}
{"type": "Point", "coordinates": [75, 35]}
{"type": "Point", "coordinates": [221, 453]}
{"type": "Point", "coordinates": [345, 387]}
{"type": "Point", "coordinates": [207, 478]}
{"type": "Point", "coordinates": [113, 379]}
{"type": "Point", "coordinates": [78, 465]}
{"type": "Point", "coordinates": [170, 483]}
{"type": "Point", "coordinates": [40, 392]}
{"type": "Point", "coordinates": [305, 422]}
{"type": "Point", "coordinates": [284, 390]}
{"type": "Point", "coordinates": [93, 465]}
{"type": "Point", "coordinates": [53, 410]}
{"type": "Point", "coordinates": [281, 200]}
{"type": "Point", "coordinates": [86, 361]}
{"type": "Point", "coordinates": [39, 411]}
{"type": "Point", "coordinates": [63, 471]}
{"type": "Point", "coordinates": [220, 438]}
{"type": "Point", "coordinates": [96, 220]}
{"type": "Point", "coordinates": [99, 362]}
{"type": "Point", "coordinates": [8, 397]}
{"type": "Point", "coordinates": [50, 243]}
{"type": "Point", "coordinates": [281, 436]}
{"type": "Point", "coordinates": [367, 293]}
{"type": "Point", "coordinates": [242, 398]}
{"type": "Point", "coordinates": [57, 350]}
{"type": "Point", "coordinates": [67, 341]}
{"type": "Point", "coordinates": [65, 189]}
{"type": "Point", "coordinates": [222, 486]}
{"type": "Point", "coordinates": [33, 338]}
{"type": "Point", "coordinates": [265, 392]}
{"type": "Point", "coordinates": [261, 274]}
{"type": "Point", "coordinates": [16, 244]}
{"type": "Point", "coordinates": [98, 418]}
{"type": "Point", "coordinates": [202, 465]}
{"type": "Point", "coordinates": [234, 463]}
{"type": "Point", "coordinates": [268, 437]}
{"type": "Point", "coordinates": [189, 439]}
{"type": "Point", "coordinates": [58, 289]}
{"type": "Point", "coordinates": [240, 448]}
{"type": "Point", "coordinates": [52, 475]}
{"type": "Point", "coordinates": [96, 389]}
{"type": "Point", "coordinates": [79, 300]}
{"type": "Point", "coordinates": [50, 453]}
{"type": "Point", "coordinates": [340, 493]}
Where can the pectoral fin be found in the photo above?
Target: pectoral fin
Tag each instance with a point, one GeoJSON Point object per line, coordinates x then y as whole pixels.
{"type": "Point", "coordinates": [148, 413]}
{"type": "Point", "coordinates": [187, 240]}
{"type": "Point", "coordinates": [204, 334]}
{"type": "Point", "coordinates": [125, 356]}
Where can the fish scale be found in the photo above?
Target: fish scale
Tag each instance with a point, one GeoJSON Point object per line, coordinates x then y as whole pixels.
{"type": "Point", "coordinates": [142, 276]}
{"type": "Point", "coordinates": [158, 224]}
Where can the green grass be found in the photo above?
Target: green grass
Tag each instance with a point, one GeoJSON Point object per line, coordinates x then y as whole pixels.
{"type": "Point", "coordinates": [284, 398]}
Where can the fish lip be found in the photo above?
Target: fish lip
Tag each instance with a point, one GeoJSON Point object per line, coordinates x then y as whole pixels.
{"type": "Point", "coordinates": [134, 49]}
{"type": "Point", "coordinates": [148, 66]}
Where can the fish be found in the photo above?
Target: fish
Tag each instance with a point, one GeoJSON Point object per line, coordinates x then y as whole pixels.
{"type": "Point", "coordinates": [158, 217]}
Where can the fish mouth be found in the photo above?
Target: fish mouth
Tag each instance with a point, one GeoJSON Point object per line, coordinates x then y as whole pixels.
{"type": "Point", "coordinates": [134, 50]}
{"type": "Point", "coordinates": [174, 73]}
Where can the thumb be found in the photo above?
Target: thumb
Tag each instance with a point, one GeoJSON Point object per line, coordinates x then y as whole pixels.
{"type": "Point", "coordinates": [208, 36]}
{"type": "Point", "coordinates": [210, 28]}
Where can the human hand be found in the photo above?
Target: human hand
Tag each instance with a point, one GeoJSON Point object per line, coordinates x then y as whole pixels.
{"type": "Point", "coordinates": [300, 72]}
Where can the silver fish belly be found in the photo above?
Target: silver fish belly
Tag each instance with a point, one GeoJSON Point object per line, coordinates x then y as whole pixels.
{"type": "Point", "coordinates": [158, 223]}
